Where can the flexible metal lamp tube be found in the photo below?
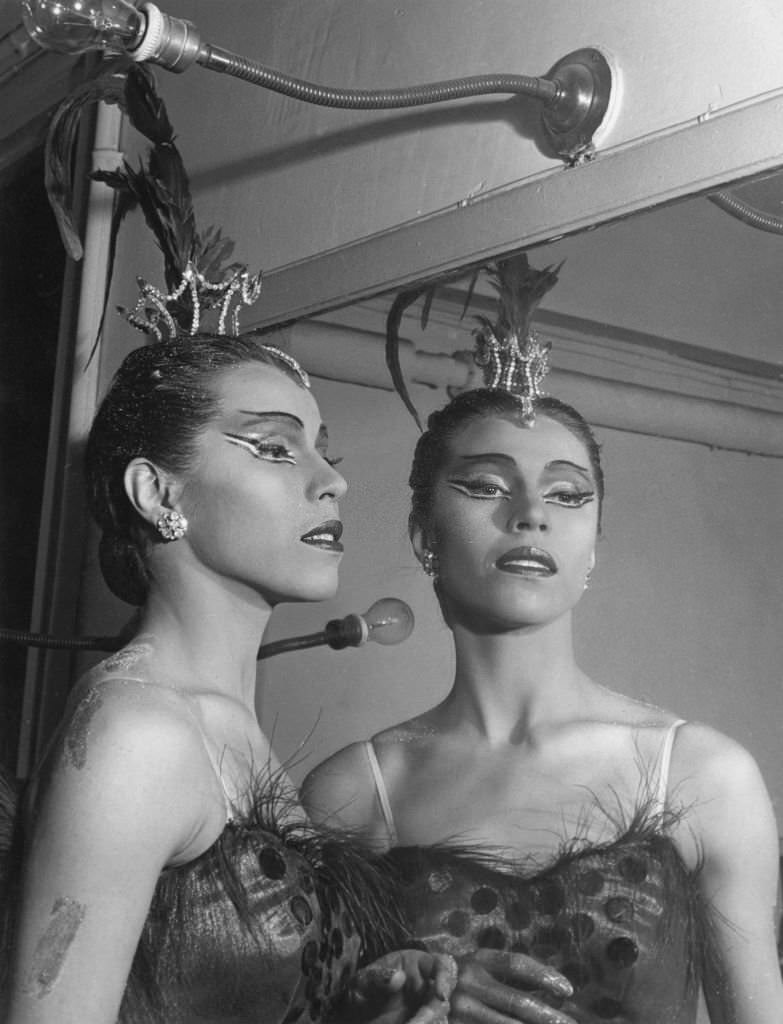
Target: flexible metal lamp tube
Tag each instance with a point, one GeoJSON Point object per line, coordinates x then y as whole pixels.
{"type": "Point", "coordinates": [575, 94]}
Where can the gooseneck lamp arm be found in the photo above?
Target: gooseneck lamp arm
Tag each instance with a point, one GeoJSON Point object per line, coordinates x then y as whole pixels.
{"type": "Point", "coordinates": [575, 93]}
{"type": "Point", "coordinates": [388, 621]}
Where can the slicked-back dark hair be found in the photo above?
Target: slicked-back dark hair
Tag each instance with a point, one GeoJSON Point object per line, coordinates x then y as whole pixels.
{"type": "Point", "coordinates": [432, 447]}
{"type": "Point", "coordinates": [161, 398]}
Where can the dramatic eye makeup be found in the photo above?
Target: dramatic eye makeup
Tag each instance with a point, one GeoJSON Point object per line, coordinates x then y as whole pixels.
{"type": "Point", "coordinates": [492, 475]}
{"type": "Point", "coordinates": [322, 446]}
{"type": "Point", "coordinates": [570, 485]}
{"type": "Point", "coordinates": [274, 443]}
{"type": "Point", "coordinates": [478, 485]}
{"type": "Point", "coordinates": [262, 447]}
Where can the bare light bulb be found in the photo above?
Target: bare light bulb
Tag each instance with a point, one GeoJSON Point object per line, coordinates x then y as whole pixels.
{"type": "Point", "coordinates": [388, 621]}
{"type": "Point", "coordinates": [75, 26]}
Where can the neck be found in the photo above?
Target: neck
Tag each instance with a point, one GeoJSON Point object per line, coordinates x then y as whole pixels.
{"type": "Point", "coordinates": [206, 633]}
{"type": "Point", "coordinates": [508, 685]}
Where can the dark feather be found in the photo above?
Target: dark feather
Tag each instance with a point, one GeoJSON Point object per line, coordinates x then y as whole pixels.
{"type": "Point", "coordinates": [393, 320]}
{"type": "Point", "coordinates": [145, 108]}
{"type": "Point", "coordinates": [520, 288]}
{"type": "Point", "coordinates": [109, 87]}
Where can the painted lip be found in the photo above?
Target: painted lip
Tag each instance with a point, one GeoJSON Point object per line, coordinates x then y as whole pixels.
{"type": "Point", "coordinates": [527, 561]}
{"type": "Point", "coordinates": [326, 536]}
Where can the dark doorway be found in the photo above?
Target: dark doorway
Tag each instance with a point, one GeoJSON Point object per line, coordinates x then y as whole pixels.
{"type": "Point", "coordinates": [32, 265]}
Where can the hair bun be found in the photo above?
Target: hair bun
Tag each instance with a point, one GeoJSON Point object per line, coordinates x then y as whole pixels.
{"type": "Point", "coordinates": [123, 569]}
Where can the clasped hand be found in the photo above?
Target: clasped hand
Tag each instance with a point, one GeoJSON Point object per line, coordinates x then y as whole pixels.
{"type": "Point", "coordinates": [486, 987]}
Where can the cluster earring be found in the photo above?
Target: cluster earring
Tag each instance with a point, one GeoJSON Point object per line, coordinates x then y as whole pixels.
{"type": "Point", "coordinates": [429, 562]}
{"type": "Point", "coordinates": [588, 578]}
{"type": "Point", "coordinates": [172, 525]}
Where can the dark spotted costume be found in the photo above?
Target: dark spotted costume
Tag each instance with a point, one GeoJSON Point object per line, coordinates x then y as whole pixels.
{"type": "Point", "coordinates": [622, 920]}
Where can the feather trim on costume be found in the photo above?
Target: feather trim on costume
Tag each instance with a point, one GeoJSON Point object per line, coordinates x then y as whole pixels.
{"type": "Point", "coordinates": [634, 889]}
{"type": "Point", "coordinates": [275, 906]}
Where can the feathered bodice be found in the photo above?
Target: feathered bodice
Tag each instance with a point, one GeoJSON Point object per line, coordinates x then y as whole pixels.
{"type": "Point", "coordinates": [622, 920]}
{"type": "Point", "coordinates": [269, 925]}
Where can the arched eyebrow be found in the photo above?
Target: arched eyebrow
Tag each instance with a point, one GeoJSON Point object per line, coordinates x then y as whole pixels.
{"type": "Point", "coordinates": [262, 417]}
{"type": "Point", "coordinates": [555, 464]}
{"type": "Point", "coordinates": [568, 464]}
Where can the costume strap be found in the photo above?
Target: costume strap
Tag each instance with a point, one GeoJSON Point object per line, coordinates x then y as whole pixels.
{"type": "Point", "coordinates": [227, 801]}
{"type": "Point", "coordinates": [381, 791]}
{"type": "Point", "coordinates": [664, 764]}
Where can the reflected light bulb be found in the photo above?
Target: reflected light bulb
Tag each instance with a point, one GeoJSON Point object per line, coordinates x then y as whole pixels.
{"type": "Point", "coordinates": [75, 26]}
{"type": "Point", "coordinates": [389, 621]}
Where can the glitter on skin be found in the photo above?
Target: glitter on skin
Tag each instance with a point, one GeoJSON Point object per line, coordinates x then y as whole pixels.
{"type": "Point", "coordinates": [52, 948]}
{"type": "Point", "coordinates": [79, 729]}
{"type": "Point", "coordinates": [127, 658]}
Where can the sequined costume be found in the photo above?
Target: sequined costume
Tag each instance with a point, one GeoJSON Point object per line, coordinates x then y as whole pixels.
{"type": "Point", "coordinates": [622, 920]}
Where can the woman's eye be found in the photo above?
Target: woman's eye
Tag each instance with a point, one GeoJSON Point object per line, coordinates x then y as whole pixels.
{"type": "Point", "coordinates": [481, 488]}
{"type": "Point", "coordinates": [570, 499]}
{"type": "Point", "coordinates": [272, 451]}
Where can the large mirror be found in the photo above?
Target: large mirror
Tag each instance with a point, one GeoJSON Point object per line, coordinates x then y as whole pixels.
{"type": "Point", "coordinates": [665, 331]}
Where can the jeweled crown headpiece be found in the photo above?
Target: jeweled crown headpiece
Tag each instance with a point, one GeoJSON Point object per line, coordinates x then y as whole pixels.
{"type": "Point", "coordinates": [199, 277]}
{"type": "Point", "coordinates": [509, 351]}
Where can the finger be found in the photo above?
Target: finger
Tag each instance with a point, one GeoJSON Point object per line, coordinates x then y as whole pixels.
{"type": "Point", "coordinates": [524, 971]}
{"type": "Point", "coordinates": [444, 975]}
{"type": "Point", "coordinates": [516, 1007]}
{"type": "Point", "coordinates": [433, 1012]}
{"type": "Point", "coordinates": [378, 979]}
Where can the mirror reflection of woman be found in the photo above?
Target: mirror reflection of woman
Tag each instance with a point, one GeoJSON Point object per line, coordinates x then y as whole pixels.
{"type": "Point", "coordinates": [168, 874]}
{"type": "Point", "coordinates": [635, 852]}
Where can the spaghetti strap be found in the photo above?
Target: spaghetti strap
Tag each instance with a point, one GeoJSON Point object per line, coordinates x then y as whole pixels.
{"type": "Point", "coordinates": [381, 791]}
{"type": "Point", "coordinates": [227, 801]}
{"type": "Point", "coordinates": [664, 764]}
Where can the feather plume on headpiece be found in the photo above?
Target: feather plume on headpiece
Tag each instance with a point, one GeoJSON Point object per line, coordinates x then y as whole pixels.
{"type": "Point", "coordinates": [508, 350]}
{"type": "Point", "coordinates": [197, 273]}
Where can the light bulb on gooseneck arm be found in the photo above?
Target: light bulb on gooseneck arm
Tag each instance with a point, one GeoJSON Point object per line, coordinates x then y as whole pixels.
{"type": "Point", "coordinates": [388, 621]}
{"type": "Point", "coordinates": [575, 93]}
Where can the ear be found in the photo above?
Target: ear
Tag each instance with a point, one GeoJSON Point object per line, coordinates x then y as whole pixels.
{"type": "Point", "coordinates": [149, 489]}
{"type": "Point", "coordinates": [419, 540]}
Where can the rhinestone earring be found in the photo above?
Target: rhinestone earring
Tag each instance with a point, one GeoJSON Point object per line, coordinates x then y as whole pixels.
{"type": "Point", "coordinates": [172, 525]}
{"type": "Point", "coordinates": [429, 562]}
{"type": "Point", "coordinates": [588, 578]}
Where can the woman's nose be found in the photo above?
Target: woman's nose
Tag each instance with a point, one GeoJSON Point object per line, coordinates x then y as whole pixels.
{"type": "Point", "coordinates": [528, 511]}
{"type": "Point", "coordinates": [332, 484]}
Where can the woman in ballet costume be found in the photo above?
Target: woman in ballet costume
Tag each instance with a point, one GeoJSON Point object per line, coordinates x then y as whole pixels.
{"type": "Point", "coordinates": [534, 811]}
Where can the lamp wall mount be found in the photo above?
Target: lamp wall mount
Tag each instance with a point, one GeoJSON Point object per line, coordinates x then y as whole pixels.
{"type": "Point", "coordinates": [575, 94]}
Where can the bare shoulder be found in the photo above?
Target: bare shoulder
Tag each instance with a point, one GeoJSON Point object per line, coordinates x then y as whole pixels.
{"type": "Point", "coordinates": [711, 762]}
{"type": "Point", "coordinates": [123, 718]}
{"type": "Point", "coordinates": [717, 782]}
{"type": "Point", "coordinates": [128, 757]}
{"type": "Point", "coordinates": [340, 790]}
